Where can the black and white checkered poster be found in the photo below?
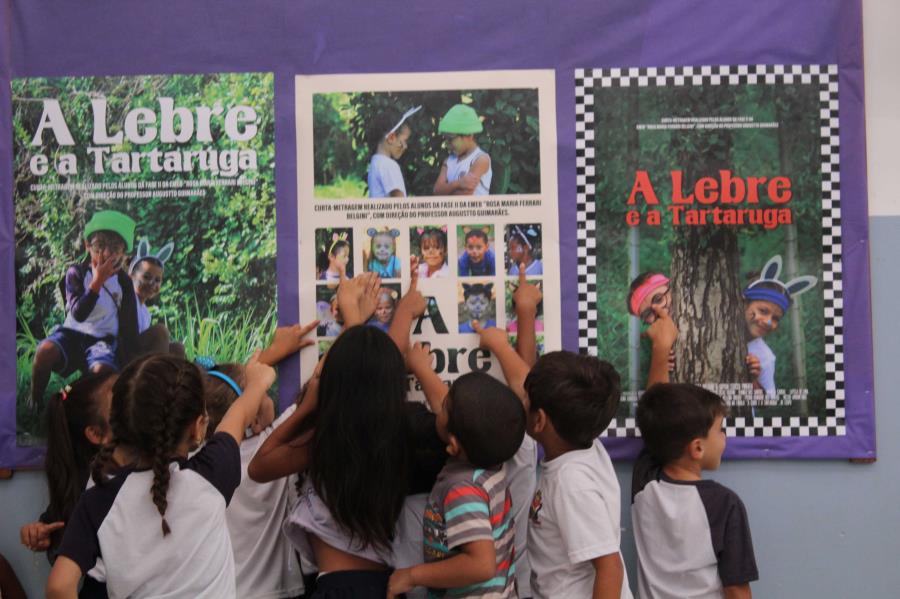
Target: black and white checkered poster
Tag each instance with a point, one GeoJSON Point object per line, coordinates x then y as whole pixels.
{"type": "Point", "coordinates": [709, 225]}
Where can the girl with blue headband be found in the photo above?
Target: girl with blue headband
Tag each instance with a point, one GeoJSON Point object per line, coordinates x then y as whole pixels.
{"type": "Point", "coordinates": [766, 301]}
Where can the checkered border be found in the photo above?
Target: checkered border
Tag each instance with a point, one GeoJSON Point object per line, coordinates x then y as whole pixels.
{"type": "Point", "coordinates": [826, 77]}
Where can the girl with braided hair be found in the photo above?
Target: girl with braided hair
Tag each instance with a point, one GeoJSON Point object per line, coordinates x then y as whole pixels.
{"type": "Point", "coordinates": [155, 516]}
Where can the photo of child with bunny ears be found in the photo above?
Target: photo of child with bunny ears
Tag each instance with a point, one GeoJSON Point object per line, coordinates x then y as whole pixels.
{"type": "Point", "coordinates": [476, 257]}
{"type": "Point", "coordinates": [523, 246]}
{"type": "Point", "coordinates": [766, 301]}
{"type": "Point", "coordinates": [432, 251]}
{"type": "Point", "coordinates": [334, 254]}
{"type": "Point", "coordinates": [476, 303]}
{"type": "Point", "coordinates": [146, 271]}
{"type": "Point", "coordinates": [330, 322]}
{"type": "Point", "coordinates": [381, 257]}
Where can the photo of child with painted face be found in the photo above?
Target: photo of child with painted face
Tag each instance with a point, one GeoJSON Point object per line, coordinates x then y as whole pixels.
{"type": "Point", "coordinates": [385, 304]}
{"type": "Point", "coordinates": [146, 271]}
{"type": "Point", "coordinates": [523, 246]}
{"type": "Point", "coordinates": [476, 303]}
{"type": "Point", "coordinates": [766, 301]}
{"type": "Point", "coordinates": [431, 254]}
{"type": "Point", "coordinates": [330, 321]}
{"type": "Point", "coordinates": [476, 257]}
{"type": "Point", "coordinates": [381, 257]}
{"type": "Point", "coordinates": [511, 321]}
{"type": "Point", "coordinates": [334, 254]}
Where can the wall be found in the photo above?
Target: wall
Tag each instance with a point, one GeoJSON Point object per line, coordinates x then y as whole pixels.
{"type": "Point", "coordinates": [826, 529]}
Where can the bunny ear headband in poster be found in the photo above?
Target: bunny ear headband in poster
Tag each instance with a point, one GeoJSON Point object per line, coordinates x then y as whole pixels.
{"type": "Point", "coordinates": [525, 234]}
{"type": "Point", "coordinates": [785, 292]}
{"type": "Point", "coordinates": [372, 232]}
{"type": "Point", "coordinates": [335, 239]}
{"type": "Point", "coordinates": [405, 116]}
{"type": "Point", "coordinates": [144, 253]}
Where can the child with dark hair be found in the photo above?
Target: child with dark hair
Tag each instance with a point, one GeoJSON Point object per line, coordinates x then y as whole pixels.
{"type": "Point", "coordinates": [468, 525]}
{"type": "Point", "coordinates": [467, 170]}
{"type": "Point", "coordinates": [388, 136]}
{"type": "Point", "coordinates": [334, 261]}
{"type": "Point", "coordinates": [265, 563]}
{"type": "Point", "coordinates": [146, 272]}
{"type": "Point", "coordinates": [523, 248]}
{"type": "Point", "coordinates": [77, 425]}
{"type": "Point", "coordinates": [478, 257]}
{"type": "Point", "coordinates": [101, 326]}
{"type": "Point", "coordinates": [692, 535]}
{"type": "Point", "coordinates": [155, 516]}
{"type": "Point", "coordinates": [432, 260]}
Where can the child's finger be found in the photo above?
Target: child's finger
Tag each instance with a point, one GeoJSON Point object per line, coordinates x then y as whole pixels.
{"type": "Point", "coordinates": [521, 273]}
{"type": "Point", "coordinates": [306, 329]}
{"type": "Point", "coordinates": [476, 326]}
{"type": "Point", "coordinates": [254, 357]}
{"type": "Point", "coordinates": [54, 526]}
{"type": "Point", "coordinates": [413, 273]}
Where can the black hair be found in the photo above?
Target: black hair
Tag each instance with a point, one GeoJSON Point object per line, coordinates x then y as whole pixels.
{"type": "Point", "coordinates": [69, 452]}
{"type": "Point", "coordinates": [328, 250]}
{"type": "Point", "coordinates": [220, 395]}
{"type": "Point", "coordinates": [484, 289]}
{"type": "Point", "coordinates": [435, 234]}
{"type": "Point", "coordinates": [480, 233]}
{"type": "Point", "coordinates": [155, 400]}
{"type": "Point", "coordinates": [109, 232]}
{"type": "Point", "coordinates": [379, 127]}
{"type": "Point", "coordinates": [579, 394]}
{"type": "Point", "coordinates": [637, 282]}
{"type": "Point", "coordinates": [360, 459]}
{"type": "Point", "coordinates": [487, 417]}
{"type": "Point", "coordinates": [671, 415]}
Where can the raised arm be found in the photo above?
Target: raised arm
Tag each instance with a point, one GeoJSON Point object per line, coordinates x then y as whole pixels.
{"type": "Point", "coordinates": [515, 369]}
{"type": "Point", "coordinates": [418, 360]}
{"type": "Point", "coordinates": [287, 341]}
{"type": "Point", "coordinates": [286, 450]}
{"type": "Point", "coordinates": [526, 298]}
{"type": "Point", "coordinates": [662, 334]}
{"type": "Point", "coordinates": [410, 306]}
{"type": "Point", "coordinates": [357, 298]}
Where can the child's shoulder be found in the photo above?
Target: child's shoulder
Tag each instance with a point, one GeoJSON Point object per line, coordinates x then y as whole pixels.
{"type": "Point", "coordinates": [583, 468]}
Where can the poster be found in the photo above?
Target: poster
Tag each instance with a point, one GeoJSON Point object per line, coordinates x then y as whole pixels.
{"type": "Point", "coordinates": [172, 176]}
{"type": "Point", "coordinates": [376, 186]}
{"type": "Point", "coordinates": [713, 194]}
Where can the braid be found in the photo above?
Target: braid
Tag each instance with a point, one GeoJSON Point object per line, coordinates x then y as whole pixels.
{"type": "Point", "coordinates": [160, 486]}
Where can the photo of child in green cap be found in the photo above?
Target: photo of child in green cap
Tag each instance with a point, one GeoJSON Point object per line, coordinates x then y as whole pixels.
{"type": "Point", "coordinates": [396, 144]}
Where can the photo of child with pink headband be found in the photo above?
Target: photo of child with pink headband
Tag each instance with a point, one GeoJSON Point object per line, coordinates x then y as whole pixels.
{"type": "Point", "coordinates": [650, 299]}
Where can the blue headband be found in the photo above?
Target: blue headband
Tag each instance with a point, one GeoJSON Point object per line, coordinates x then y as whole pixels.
{"type": "Point", "coordinates": [779, 298]}
{"type": "Point", "coordinates": [209, 365]}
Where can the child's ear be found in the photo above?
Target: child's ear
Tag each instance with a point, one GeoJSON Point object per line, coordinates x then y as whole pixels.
{"type": "Point", "coordinates": [695, 448]}
{"type": "Point", "coordinates": [93, 434]}
{"type": "Point", "coordinates": [539, 420]}
{"type": "Point", "coordinates": [453, 446]}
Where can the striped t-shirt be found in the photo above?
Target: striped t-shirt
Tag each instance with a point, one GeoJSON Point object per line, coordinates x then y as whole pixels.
{"type": "Point", "coordinates": [471, 504]}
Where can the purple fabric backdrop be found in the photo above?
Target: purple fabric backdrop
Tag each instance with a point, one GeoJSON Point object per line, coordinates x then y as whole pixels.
{"type": "Point", "coordinates": [118, 37]}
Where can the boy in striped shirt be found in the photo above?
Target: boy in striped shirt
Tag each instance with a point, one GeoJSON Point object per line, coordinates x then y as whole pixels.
{"type": "Point", "coordinates": [468, 525]}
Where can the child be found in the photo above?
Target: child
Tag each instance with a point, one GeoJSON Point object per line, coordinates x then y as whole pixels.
{"type": "Point", "coordinates": [338, 258]}
{"type": "Point", "coordinates": [468, 526]}
{"type": "Point", "coordinates": [146, 271]}
{"type": "Point", "coordinates": [388, 139]}
{"type": "Point", "coordinates": [382, 258]}
{"type": "Point", "coordinates": [156, 517]}
{"type": "Point", "coordinates": [384, 309]}
{"type": "Point", "coordinates": [467, 170]}
{"type": "Point", "coordinates": [521, 248]}
{"type": "Point", "coordinates": [101, 322]}
{"type": "Point", "coordinates": [329, 317]}
{"type": "Point", "coordinates": [692, 535]}
{"type": "Point", "coordinates": [478, 259]}
{"type": "Point", "coordinates": [77, 425]}
{"type": "Point", "coordinates": [433, 248]}
{"type": "Point", "coordinates": [265, 563]}
{"type": "Point", "coordinates": [477, 306]}
{"type": "Point", "coordinates": [650, 299]}
{"type": "Point", "coordinates": [766, 301]}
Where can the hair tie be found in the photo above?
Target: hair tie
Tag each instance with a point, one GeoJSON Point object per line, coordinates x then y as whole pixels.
{"type": "Point", "coordinates": [64, 392]}
{"type": "Point", "coordinates": [212, 369]}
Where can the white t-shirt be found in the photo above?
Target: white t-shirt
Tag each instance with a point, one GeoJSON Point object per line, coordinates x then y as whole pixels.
{"type": "Point", "coordinates": [265, 564]}
{"type": "Point", "coordinates": [384, 176]}
{"type": "Point", "coordinates": [574, 519]}
{"type": "Point", "coordinates": [119, 522]}
{"type": "Point", "coordinates": [143, 317]}
{"type": "Point", "coordinates": [457, 167]}
{"type": "Point", "coordinates": [103, 321]}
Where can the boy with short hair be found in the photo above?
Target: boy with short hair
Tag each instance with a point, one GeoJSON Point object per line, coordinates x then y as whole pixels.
{"type": "Point", "coordinates": [477, 259]}
{"type": "Point", "coordinates": [573, 530]}
{"type": "Point", "coordinates": [692, 535]}
{"type": "Point", "coordinates": [468, 525]}
{"type": "Point", "coordinates": [101, 326]}
{"type": "Point", "coordinates": [467, 171]}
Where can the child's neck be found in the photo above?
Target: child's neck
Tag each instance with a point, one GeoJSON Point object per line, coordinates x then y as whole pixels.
{"type": "Point", "coordinates": [555, 446]}
{"type": "Point", "coordinates": [683, 469]}
{"type": "Point", "coordinates": [382, 150]}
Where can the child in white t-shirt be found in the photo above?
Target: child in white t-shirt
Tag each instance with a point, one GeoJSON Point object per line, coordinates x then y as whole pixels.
{"type": "Point", "coordinates": [388, 138]}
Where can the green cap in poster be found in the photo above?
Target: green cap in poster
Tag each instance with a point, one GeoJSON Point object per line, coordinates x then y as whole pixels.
{"type": "Point", "coordinates": [112, 220]}
{"type": "Point", "coordinates": [461, 120]}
